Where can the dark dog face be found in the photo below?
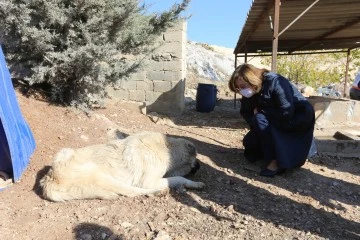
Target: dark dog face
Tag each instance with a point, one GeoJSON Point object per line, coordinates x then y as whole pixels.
{"type": "Point", "coordinates": [195, 168]}
{"type": "Point", "coordinates": [184, 160]}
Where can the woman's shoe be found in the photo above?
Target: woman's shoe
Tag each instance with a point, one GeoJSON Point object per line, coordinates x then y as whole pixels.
{"type": "Point", "coordinates": [271, 173]}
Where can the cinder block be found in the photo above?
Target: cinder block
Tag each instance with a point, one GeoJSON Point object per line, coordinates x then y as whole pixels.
{"type": "Point", "coordinates": [161, 57]}
{"type": "Point", "coordinates": [319, 108]}
{"type": "Point", "coordinates": [165, 89]}
{"type": "Point", "coordinates": [152, 96]}
{"type": "Point", "coordinates": [342, 148]}
{"type": "Point", "coordinates": [354, 111]}
{"type": "Point", "coordinates": [175, 83]}
{"type": "Point", "coordinates": [172, 36]}
{"type": "Point", "coordinates": [172, 75]}
{"type": "Point", "coordinates": [145, 85]}
{"type": "Point", "coordinates": [173, 66]}
{"type": "Point", "coordinates": [160, 39]}
{"type": "Point", "coordinates": [138, 76]}
{"type": "Point", "coordinates": [330, 112]}
{"type": "Point", "coordinates": [338, 111]}
{"type": "Point", "coordinates": [162, 86]}
{"type": "Point", "coordinates": [179, 26]}
{"type": "Point", "coordinates": [170, 47]}
{"type": "Point", "coordinates": [137, 95]}
{"type": "Point", "coordinates": [184, 37]}
{"type": "Point", "coordinates": [152, 65]}
{"type": "Point", "coordinates": [128, 85]}
{"type": "Point", "coordinates": [169, 103]}
{"type": "Point", "coordinates": [176, 55]}
{"type": "Point", "coordinates": [118, 93]}
{"type": "Point", "coordinates": [156, 75]}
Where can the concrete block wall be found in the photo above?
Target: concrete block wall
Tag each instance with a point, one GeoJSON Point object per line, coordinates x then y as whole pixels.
{"type": "Point", "coordinates": [161, 83]}
{"type": "Point", "coordinates": [335, 113]}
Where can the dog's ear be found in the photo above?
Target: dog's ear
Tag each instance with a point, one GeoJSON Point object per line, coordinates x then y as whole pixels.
{"type": "Point", "coordinates": [191, 148]}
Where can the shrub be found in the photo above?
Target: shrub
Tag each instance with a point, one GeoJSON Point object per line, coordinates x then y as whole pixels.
{"type": "Point", "coordinates": [79, 46]}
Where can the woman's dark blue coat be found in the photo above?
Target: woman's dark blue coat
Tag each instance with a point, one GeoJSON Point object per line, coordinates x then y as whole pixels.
{"type": "Point", "coordinates": [290, 117]}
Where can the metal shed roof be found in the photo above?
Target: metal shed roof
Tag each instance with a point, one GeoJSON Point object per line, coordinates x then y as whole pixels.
{"type": "Point", "coordinates": [327, 25]}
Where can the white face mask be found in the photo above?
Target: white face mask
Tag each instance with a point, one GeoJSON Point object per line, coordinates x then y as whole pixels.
{"type": "Point", "coordinates": [247, 92]}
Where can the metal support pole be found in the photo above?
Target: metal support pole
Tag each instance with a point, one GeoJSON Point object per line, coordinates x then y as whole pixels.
{"type": "Point", "coordinates": [275, 36]}
{"type": "Point", "coordinates": [235, 93]}
{"type": "Point", "coordinates": [346, 72]}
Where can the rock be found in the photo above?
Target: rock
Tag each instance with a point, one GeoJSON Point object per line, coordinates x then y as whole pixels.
{"type": "Point", "coordinates": [230, 208]}
{"type": "Point", "coordinates": [84, 137]}
{"type": "Point", "coordinates": [160, 119]}
{"type": "Point", "coordinates": [162, 235]}
{"type": "Point", "coordinates": [151, 226]}
{"type": "Point", "coordinates": [307, 91]}
{"type": "Point", "coordinates": [126, 225]}
{"type": "Point", "coordinates": [195, 210]}
{"type": "Point", "coordinates": [236, 225]}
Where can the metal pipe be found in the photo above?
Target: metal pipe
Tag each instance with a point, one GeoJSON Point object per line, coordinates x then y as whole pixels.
{"type": "Point", "coordinates": [289, 54]}
{"type": "Point", "coordinates": [297, 18]}
{"type": "Point", "coordinates": [346, 72]}
{"type": "Point", "coordinates": [235, 93]}
{"type": "Point", "coordinates": [275, 36]}
{"type": "Point", "coordinates": [271, 24]}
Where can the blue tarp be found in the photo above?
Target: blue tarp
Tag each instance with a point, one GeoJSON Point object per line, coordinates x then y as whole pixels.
{"type": "Point", "coordinates": [16, 139]}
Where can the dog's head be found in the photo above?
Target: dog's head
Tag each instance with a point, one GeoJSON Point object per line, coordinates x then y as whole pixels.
{"type": "Point", "coordinates": [183, 158]}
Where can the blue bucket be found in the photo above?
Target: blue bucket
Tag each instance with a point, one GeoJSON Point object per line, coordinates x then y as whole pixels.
{"type": "Point", "coordinates": [205, 97]}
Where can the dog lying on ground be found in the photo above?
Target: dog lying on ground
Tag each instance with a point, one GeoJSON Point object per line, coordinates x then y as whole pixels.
{"type": "Point", "coordinates": [143, 163]}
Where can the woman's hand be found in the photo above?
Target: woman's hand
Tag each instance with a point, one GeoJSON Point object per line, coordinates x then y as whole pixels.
{"type": "Point", "coordinates": [255, 111]}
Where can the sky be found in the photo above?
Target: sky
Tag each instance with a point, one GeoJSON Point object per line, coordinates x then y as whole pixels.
{"type": "Point", "coordinates": [215, 22]}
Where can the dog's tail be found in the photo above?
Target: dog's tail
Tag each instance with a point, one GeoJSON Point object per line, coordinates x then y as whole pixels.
{"type": "Point", "coordinates": [52, 183]}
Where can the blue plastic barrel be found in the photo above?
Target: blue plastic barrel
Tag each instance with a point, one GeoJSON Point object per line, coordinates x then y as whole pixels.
{"type": "Point", "coordinates": [205, 97]}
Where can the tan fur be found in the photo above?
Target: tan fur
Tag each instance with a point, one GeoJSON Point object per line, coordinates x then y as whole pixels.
{"type": "Point", "coordinates": [144, 163]}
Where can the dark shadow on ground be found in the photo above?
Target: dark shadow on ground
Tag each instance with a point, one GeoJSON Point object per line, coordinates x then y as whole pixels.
{"type": "Point", "coordinates": [95, 232]}
{"type": "Point", "coordinates": [349, 165]}
{"type": "Point", "coordinates": [262, 204]}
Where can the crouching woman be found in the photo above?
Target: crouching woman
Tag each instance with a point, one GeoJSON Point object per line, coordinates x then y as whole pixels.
{"type": "Point", "coordinates": [281, 119]}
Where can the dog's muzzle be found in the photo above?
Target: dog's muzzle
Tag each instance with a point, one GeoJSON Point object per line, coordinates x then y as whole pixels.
{"type": "Point", "coordinates": [195, 168]}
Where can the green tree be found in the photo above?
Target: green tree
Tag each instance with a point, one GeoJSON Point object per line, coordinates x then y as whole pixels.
{"type": "Point", "coordinates": [354, 60]}
{"type": "Point", "coordinates": [310, 69]}
{"type": "Point", "coordinates": [79, 46]}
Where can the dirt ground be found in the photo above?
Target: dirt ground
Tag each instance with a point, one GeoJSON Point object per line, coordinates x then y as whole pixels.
{"type": "Point", "coordinates": [319, 201]}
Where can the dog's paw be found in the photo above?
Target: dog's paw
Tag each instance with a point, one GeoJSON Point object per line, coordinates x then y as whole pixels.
{"type": "Point", "coordinates": [195, 185]}
{"type": "Point", "coordinates": [160, 193]}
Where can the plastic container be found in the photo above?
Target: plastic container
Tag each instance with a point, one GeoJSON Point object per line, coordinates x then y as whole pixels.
{"type": "Point", "coordinates": [206, 97]}
{"type": "Point", "coordinates": [313, 149]}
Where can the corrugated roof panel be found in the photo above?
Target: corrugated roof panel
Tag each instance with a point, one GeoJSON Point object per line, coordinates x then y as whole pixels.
{"type": "Point", "coordinates": [329, 24]}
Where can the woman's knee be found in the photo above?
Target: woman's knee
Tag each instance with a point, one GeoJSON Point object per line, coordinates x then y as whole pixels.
{"type": "Point", "coordinates": [250, 140]}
